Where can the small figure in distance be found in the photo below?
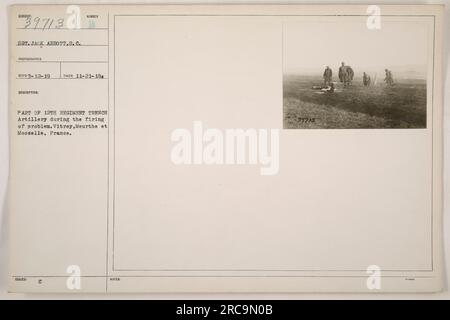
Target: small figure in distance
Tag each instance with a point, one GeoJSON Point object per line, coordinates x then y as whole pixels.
{"type": "Point", "coordinates": [366, 79]}
{"type": "Point", "coordinates": [388, 78]}
{"type": "Point", "coordinates": [346, 74]}
{"type": "Point", "coordinates": [327, 76]}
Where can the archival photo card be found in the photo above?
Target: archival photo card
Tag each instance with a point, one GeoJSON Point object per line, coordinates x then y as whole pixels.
{"type": "Point", "coordinates": [159, 148]}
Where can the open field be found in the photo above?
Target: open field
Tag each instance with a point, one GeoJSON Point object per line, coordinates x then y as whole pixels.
{"type": "Point", "coordinates": [377, 106]}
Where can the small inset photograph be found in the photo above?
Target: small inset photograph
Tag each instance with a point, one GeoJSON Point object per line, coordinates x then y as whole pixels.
{"type": "Point", "coordinates": [344, 75]}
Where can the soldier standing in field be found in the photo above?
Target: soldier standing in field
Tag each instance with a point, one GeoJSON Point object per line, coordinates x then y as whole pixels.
{"type": "Point", "coordinates": [366, 79]}
{"type": "Point", "coordinates": [388, 78]}
{"type": "Point", "coordinates": [341, 72]}
{"type": "Point", "coordinates": [327, 76]}
{"type": "Point", "coordinates": [346, 74]}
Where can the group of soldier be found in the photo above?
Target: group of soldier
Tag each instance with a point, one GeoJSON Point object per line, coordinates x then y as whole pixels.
{"type": "Point", "coordinates": [346, 75]}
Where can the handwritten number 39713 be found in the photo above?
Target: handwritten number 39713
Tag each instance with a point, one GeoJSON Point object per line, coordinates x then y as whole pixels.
{"type": "Point", "coordinates": [43, 23]}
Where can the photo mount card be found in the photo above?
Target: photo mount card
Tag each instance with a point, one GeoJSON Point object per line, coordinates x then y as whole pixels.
{"type": "Point", "coordinates": [233, 148]}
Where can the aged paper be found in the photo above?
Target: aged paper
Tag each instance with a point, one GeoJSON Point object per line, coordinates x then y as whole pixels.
{"type": "Point", "coordinates": [226, 148]}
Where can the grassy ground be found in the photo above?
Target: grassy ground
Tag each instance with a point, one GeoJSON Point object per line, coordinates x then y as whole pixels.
{"type": "Point", "coordinates": [400, 106]}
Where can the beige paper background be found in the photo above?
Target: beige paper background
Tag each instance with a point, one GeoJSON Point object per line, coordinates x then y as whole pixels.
{"type": "Point", "coordinates": [324, 154]}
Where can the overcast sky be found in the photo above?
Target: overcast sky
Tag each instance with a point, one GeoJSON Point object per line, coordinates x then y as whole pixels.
{"type": "Point", "coordinates": [310, 46]}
